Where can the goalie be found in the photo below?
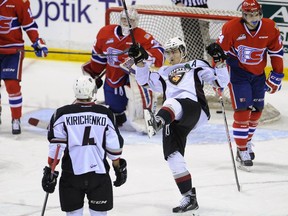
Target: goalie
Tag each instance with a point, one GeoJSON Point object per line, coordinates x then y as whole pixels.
{"type": "Point", "coordinates": [110, 52]}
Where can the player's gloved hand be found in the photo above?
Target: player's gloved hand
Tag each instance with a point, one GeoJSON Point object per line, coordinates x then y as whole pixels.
{"type": "Point", "coordinates": [273, 82]}
{"type": "Point", "coordinates": [40, 48]}
{"type": "Point", "coordinates": [98, 82]}
{"type": "Point", "coordinates": [216, 52]}
{"type": "Point", "coordinates": [121, 173]}
{"type": "Point", "coordinates": [49, 182]}
{"type": "Point", "coordinates": [138, 53]}
{"type": "Point", "coordinates": [87, 70]}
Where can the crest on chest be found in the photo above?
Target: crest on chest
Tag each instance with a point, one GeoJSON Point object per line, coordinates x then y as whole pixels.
{"type": "Point", "coordinates": [177, 74]}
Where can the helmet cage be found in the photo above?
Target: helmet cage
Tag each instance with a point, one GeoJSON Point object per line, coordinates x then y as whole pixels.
{"type": "Point", "coordinates": [251, 12]}
{"type": "Point", "coordinates": [133, 18]}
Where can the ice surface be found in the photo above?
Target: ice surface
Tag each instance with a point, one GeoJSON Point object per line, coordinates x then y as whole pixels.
{"type": "Point", "coordinates": [150, 188]}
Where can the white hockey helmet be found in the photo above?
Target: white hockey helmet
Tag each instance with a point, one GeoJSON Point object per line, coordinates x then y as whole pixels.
{"type": "Point", "coordinates": [133, 17]}
{"type": "Point", "coordinates": [84, 87]}
{"type": "Point", "coordinates": [176, 43]}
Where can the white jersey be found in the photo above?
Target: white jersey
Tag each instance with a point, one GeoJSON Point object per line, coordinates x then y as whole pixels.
{"type": "Point", "coordinates": [184, 80]}
{"type": "Point", "coordinates": [89, 134]}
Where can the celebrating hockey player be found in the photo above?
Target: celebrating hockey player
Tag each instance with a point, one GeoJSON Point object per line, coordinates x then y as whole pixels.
{"type": "Point", "coordinates": [185, 107]}
{"type": "Point", "coordinates": [114, 41]}
{"type": "Point", "coordinates": [88, 135]}
{"type": "Point", "coordinates": [247, 41]}
{"type": "Point", "coordinates": [15, 16]}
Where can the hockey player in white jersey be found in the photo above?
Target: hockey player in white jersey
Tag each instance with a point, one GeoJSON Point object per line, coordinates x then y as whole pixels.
{"type": "Point", "coordinates": [185, 107]}
{"type": "Point", "coordinates": [88, 135]}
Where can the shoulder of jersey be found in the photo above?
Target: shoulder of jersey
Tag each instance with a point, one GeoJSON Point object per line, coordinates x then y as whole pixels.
{"type": "Point", "coordinates": [139, 32]}
{"type": "Point", "coordinates": [235, 21]}
{"type": "Point", "coordinates": [268, 22]}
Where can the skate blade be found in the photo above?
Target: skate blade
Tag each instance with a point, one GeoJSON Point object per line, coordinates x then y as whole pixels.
{"type": "Point", "coordinates": [191, 213]}
{"type": "Point", "coordinates": [244, 168]}
{"type": "Point", "coordinates": [150, 129]}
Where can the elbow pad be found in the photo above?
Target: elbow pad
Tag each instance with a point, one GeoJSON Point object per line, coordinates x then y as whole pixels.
{"type": "Point", "coordinates": [222, 77]}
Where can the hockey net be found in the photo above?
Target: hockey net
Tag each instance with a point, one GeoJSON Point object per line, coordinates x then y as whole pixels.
{"type": "Point", "coordinates": [198, 26]}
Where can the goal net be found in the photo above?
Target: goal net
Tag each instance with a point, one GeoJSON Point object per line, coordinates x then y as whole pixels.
{"type": "Point", "coordinates": [198, 26]}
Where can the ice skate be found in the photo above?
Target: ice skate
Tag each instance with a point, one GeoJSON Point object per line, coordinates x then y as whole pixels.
{"type": "Point", "coordinates": [151, 123]}
{"type": "Point", "coordinates": [250, 150]}
{"type": "Point", "coordinates": [244, 161]}
{"type": "Point", "coordinates": [188, 203]}
{"type": "Point", "coordinates": [16, 128]}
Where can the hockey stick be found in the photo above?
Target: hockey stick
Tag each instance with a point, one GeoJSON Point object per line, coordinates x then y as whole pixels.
{"type": "Point", "coordinates": [228, 138]}
{"type": "Point", "coordinates": [129, 23]}
{"type": "Point", "coordinates": [44, 124]}
{"type": "Point", "coordinates": [13, 51]}
{"type": "Point", "coordinates": [53, 166]}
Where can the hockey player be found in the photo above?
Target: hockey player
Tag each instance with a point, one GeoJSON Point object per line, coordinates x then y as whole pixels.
{"type": "Point", "coordinates": [247, 41]}
{"type": "Point", "coordinates": [114, 41]}
{"type": "Point", "coordinates": [15, 16]}
{"type": "Point", "coordinates": [184, 109]}
{"type": "Point", "coordinates": [87, 134]}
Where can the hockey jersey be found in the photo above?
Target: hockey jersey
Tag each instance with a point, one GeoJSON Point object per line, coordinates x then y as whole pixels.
{"type": "Point", "coordinates": [14, 15]}
{"type": "Point", "coordinates": [88, 134]}
{"type": "Point", "coordinates": [110, 42]}
{"type": "Point", "coordinates": [184, 80]}
{"type": "Point", "coordinates": [248, 49]}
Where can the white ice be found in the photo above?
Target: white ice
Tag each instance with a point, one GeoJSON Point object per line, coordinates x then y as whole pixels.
{"type": "Point", "coordinates": [150, 188]}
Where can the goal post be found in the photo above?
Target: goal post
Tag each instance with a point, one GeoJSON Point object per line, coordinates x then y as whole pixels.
{"type": "Point", "coordinates": [197, 26]}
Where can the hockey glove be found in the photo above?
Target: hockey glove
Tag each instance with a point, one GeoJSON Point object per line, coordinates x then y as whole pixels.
{"type": "Point", "coordinates": [216, 52]}
{"type": "Point", "coordinates": [49, 181]}
{"type": "Point", "coordinates": [40, 48]}
{"type": "Point", "coordinates": [273, 82]}
{"type": "Point", "coordinates": [121, 173]}
{"type": "Point", "coordinates": [87, 70]}
{"type": "Point", "coordinates": [138, 53]}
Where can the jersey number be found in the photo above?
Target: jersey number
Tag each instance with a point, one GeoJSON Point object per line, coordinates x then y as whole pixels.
{"type": "Point", "coordinates": [86, 138]}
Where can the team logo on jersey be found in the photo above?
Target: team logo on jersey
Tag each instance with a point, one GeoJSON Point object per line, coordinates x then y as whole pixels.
{"type": "Point", "coordinates": [5, 25]}
{"type": "Point", "coordinates": [250, 55]}
{"type": "Point", "coordinates": [241, 37]}
{"type": "Point", "coordinates": [176, 75]}
{"type": "Point", "coordinates": [110, 40]}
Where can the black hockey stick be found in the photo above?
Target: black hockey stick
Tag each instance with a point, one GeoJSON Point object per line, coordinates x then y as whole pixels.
{"type": "Point", "coordinates": [228, 138]}
{"type": "Point", "coordinates": [53, 166]}
{"type": "Point", "coordinates": [129, 23]}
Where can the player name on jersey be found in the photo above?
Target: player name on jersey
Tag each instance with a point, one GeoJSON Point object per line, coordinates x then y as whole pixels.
{"type": "Point", "coordinates": [86, 119]}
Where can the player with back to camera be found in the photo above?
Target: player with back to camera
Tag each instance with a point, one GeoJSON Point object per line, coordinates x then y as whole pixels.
{"type": "Point", "coordinates": [88, 135]}
{"type": "Point", "coordinates": [247, 41]}
{"type": "Point", "coordinates": [16, 16]}
{"type": "Point", "coordinates": [185, 106]}
{"type": "Point", "coordinates": [112, 40]}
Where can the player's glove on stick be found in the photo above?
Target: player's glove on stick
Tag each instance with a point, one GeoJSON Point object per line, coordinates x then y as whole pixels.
{"type": "Point", "coordinates": [138, 53]}
{"type": "Point", "coordinates": [273, 82]}
{"type": "Point", "coordinates": [121, 173]}
{"type": "Point", "coordinates": [216, 52]}
{"type": "Point", "coordinates": [49, 181]}
{"type": "Point", "coordinates": [40, 48]}
{"type": "Point", "coordinates": [86, 69]}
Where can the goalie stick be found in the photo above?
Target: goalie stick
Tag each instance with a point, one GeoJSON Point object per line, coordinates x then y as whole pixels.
{"type": "Point", "coordinates": [228, 138]}
{"type": "Point", "coordinates": [129, 23]}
